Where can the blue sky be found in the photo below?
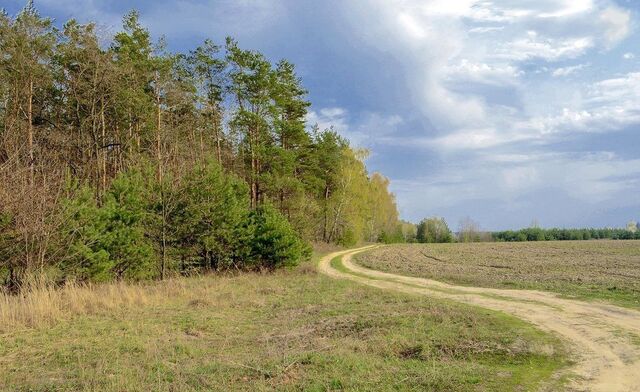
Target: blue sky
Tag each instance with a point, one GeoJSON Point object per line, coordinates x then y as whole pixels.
{"type": "Point", "coordinates": [504, 111]}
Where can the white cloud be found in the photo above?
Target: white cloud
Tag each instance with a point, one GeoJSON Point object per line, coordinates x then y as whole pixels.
{"type": "Point", "coordinates": [472, 139]}
{"type": "Point", "coordinates": [607, 105]}
{"type": "Point", "coordinates": [90, 11]}
{"type": "Point", "coordinates": [616, 22]}
{"type": "Point", "coordinates": [496, 74]}
{"type": "Point", "coordinates": [566, 71]}
{"type": "Point", "coordinates": [449, 8]}
{"type": "Point", "coordinates": [446, 44]}
{"type": "Point", "coordinates": [569, 8]}
{"type": "Point", "coordinates": [628, 56]}
{"type": "Point", "coordinates": [372, 128]}
{"type": "Point", "coordinates": [211, 18]}
{"type": "Point", "coordinates": [533, 46]}
{"type": "Point", "coordinates": [485, 11]}
{"type": "Point", "coordinates": [620, 91]}
{"type": "Point", "coordinates": [411, 26]}
{"type": "Point", "coordinates": [489, 29]}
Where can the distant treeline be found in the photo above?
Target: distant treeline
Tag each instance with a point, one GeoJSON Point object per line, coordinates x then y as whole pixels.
{"type": "Point", "coordinates": [436, 230]}
{"type": "Point", "coordinates": [122, 160]}
{"type": "Point", "coordinates": [539, 234]}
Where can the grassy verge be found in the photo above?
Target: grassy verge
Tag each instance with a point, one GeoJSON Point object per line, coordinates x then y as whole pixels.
{"type": "Point", "coordinates": [589, 270]}
{"type": "Point", "coordinates": [291, 330]}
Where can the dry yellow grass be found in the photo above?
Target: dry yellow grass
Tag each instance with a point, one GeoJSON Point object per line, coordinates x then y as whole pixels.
{"type": "Point", "coordinates": [41, 303]}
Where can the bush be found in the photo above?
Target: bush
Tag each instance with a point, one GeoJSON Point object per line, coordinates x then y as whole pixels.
{"type": "Point", "coordinates": [108, 241]}
{"type": "Point", "coordinates": [348, 238]}
{"type": "Point", "coordinates": [275, 244]}
{"type": "Point", "coordinates": [210, 220]}
{"type": "Point", "coordinates": [203, 222]}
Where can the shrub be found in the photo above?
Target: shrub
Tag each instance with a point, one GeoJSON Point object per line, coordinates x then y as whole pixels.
{"type": "Point", "coordinates": [348, 238]}
{"type": "Point", "coordinates": [275, 243]}
{"type": "Point", "coordinates": [210, 220]}
{"type": "Point", "coordinates": [108, 241]}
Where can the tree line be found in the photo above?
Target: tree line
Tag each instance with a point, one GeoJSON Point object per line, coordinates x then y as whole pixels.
{"type": "Point", "coordinates": [539, 234]}
{"type": "Point", "coordinates": [436, 230]}
{"type": "Point", "coordinates": [120, 159]}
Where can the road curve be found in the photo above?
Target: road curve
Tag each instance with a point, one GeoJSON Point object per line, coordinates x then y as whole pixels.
{"type": "Point", "coordinates": [604, 338]}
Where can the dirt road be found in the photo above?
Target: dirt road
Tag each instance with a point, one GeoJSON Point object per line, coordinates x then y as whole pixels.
{"type": "Point", "coordinates": [605, 339]}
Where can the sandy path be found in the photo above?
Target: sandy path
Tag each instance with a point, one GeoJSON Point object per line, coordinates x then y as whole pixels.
{"type": "Point", "coordinates": [600, 335]}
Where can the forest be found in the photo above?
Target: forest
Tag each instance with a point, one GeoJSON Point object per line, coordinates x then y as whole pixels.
{"type": "Point", "coordinates": [122, 160]}
{"type": "Point", "coordinates": [555, 234]}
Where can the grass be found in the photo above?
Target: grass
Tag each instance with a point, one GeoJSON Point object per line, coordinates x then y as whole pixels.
{"type": "Point", "coordinates": [290, 330]}
{"type": "Point", "coordinates": [602, 270]}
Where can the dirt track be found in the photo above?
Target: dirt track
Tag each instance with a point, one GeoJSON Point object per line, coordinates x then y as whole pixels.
{"type": "Point", "coordinates": [604, 338]}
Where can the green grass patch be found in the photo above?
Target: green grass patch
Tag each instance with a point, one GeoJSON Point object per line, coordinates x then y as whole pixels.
{"type": "Point", "coordinates": [290, 330]}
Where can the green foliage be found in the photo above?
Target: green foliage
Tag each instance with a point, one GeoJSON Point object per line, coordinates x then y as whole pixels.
{"type": "Point", "coordinates": [108, 241]}
{"type": "Point", "coordinates": [8, 243]}
{"type": "Point", "coordinates": [433, 230]}
{"type": "Point", "coordinates": [555, 234]}
{"type": "Point", "coordinates": [210, 219]}
{"type": "Point", "coordinates": [174, 157]}
{"type": "Point", "coordinates": [381, 212]}
{"type": "Point", "coordinates": [409, 231]}
{"type": "Point", "coordinates": [396, 236]}
{"type": "Point", "coordinates": [348, 238]}
{"type": "Point", "coordinates": [207, 225]}
{"type": "Point", "coordinates": [275, 244]}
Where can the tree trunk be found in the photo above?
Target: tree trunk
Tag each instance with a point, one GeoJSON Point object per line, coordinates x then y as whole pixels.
{"type": "Point", "coordinates": [161, 176]}
{"type": "Point", "coordinates": [325, 226]}
{"type": "Point", "coordinates": [254, 171]}
{"type": "Point", "coordinates": [103, 149]}
{"type": "Point", "coordinates": [130, 136]}
{"type": "Point", "coordinates": [30, 131]}
{"type": "Point", "coordinates": [163, 266]}
{"type": "Point", "coordinates": [218, 149]}
{"type": "Point", "coordinates": [201, 145]}
{"type": "Point", "coordinates": [158, 128]}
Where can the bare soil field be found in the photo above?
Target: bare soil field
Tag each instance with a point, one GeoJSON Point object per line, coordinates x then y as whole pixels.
{"type": "Point", "coordinates": [605, 269]}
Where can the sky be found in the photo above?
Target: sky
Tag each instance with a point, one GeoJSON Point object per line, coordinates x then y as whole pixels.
{"type": "Point", "coordinates": [504, 111]}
